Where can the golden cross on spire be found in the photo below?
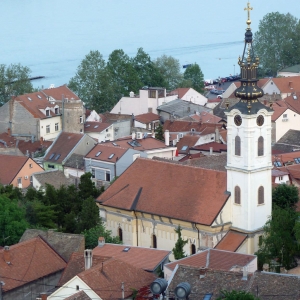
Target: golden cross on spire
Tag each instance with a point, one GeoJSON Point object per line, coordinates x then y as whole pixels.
{"type": "Point", "coordinates": [248, 8]}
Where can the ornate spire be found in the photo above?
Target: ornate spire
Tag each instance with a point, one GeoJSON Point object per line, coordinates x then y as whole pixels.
{"type": "Point", "coordinates": [249, 92]}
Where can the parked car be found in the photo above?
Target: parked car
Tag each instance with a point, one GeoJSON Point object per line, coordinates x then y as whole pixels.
{"type": "Point", "coordinates": [210, 87]}
{"type": "Point", "coordinates": [214, 91]}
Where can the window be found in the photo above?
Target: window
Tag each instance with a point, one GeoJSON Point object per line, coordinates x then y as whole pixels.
{"type": "Point", "coordinates": [80, 119]}
{"type": "Point", "coordinates": [57, 157]}
{"type": "Point", "coordinates": [260, 240]}
{"type": "Point", "coordinates": [297, 160]}
{"type": "Point", "coordinates": [51, 156]}
{"type": "Point", "coordinates": [107, 176]}
{"type": "Point", "coordinates": [56, 110]}
{"type": "Point", "coordinates": [93, 172]}
{"type": "Point", "coordinates": [56, 126]}
{"type": "Point", "coordinates": [51, 166]}
{"type": "Point", "coordinates": [237, 146]}
{"type": "Point", "coordinates": [152, 94]}
{"type": "Point", "coordinates": [277, 164]}
{"type": "Point", "coordinates": [30, 166]}
{"type": "Point", "coordinates": [237, 195]}
{"type": "Point", "coordinates": [48, 129]}
{"type": "Point", "coordinates": [120, 234]}
{"type": "Point", "coordinates": [284, 115]}
{"type": "Point", "coordinates": [20, 180]}
{"type": "Point", "coordinates": [261, 196]}
{"type": "Point", "coordinates": [47, 112]}
{"type": "Point", "coordinates": [111, 156]}
{"type": "Point", "coordinates": [260, 146]}
{"type": "Point", "coordinates": [31, 180]}
{"type": "Point", "coordinates": [154, 241]}
{"type": "Point", "coordinates": [193, 249]}
{"type": "Point", "coordinates": [98, 153]}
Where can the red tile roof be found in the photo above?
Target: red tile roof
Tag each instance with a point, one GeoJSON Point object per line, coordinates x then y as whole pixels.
{"type": "Point", "coordinates": [217, 147]}
{"type": "Point", "coordinates": [59, 92]}
{"type": "Point", "coordinates": [62, 146]}
{"type": "Point", "coordinates": [185, 126]}
{"type": "Point", "coordinates": [147, 118]}
{"type": "Point", "coordinates": [10, 165]}
{"type": "Point", "coordinates": [293, 102]}
{"type": "Point", "coordinates": [287, 84]}
{"type": "Point", "coordinates": [95, 126]}
{"type": "Point", "coordinates": [180, 92]}
{"type": "Point", "coordinates": [206, 117]}
{"type": "Point", "coordinates": [279, 108]}
{"type": "Point", "coordinates": [187, 140]}
{"type": "Point", "coordinates": [147, 259]}
{"type": "Point", "coordinates": [231, 241]}
{"type": "Point", "coordinates": [79, 296]}
{"type": "Point", "coordinates": [106, 150]}
{"type": "Point", "coordinates": [29, 261]}
{"type": "Point", "coordinates": [106, 279]}
{"type": "Point", "coordinates": [214, 259]}
{"type": "Point", "coordinates": [286, 157]}
{"type": "Point", "coordinates": [188, 193]}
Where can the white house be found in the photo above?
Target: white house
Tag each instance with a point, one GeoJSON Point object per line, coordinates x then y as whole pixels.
{"type": "Point", "coordinates": [191, 95]}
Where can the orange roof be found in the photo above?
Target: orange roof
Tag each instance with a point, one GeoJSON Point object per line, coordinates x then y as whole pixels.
{"type": "Point", "coordinates": [286, 157]}
{"type": "Point", "coordinates": [180, 92]}
{"type": "Point", "coordinates": [95, 126]}
{"type": "Point", "coordinates": [10, 165]}
{"type": "Point", "coordinates": [185, 126]}
{"type": "Point", "coordinates": [147, 118]}
{"type": "Point", "coordinates": [293, 102]}
{"type": "Point", "coordinates": [206, 117]}
{"type": "Point", "coordinates": [60, 92]}
{"type": "Point", "coordinates": [217, 147]}
{"type": "Point", "coordinates": [189, 193]}
{"type": "Point", "coordinates": [106, 279]}
{"type": "Point", "coordinates": [279, 108]}
{"type": "Point", "coordinates": [231, 241]}
{"type": "Point", "coordinates": [218, 260]}
{"type": "Point", "coordinates": [287, 84]}
{"type": "Point", "coordinates": [145, 258]}
{"type": "Point", "coordinates": [187, 141]}
{"type": "Point", "coordinates": [62, 146]}
{"type": "Point", "coordinates": [105, 151]}
{"type": "Point", "coordinates": [29, 261]}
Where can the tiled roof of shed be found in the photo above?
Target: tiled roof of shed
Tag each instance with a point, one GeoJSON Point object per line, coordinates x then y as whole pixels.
{"type": "Point", "coordinates": [231, 241]}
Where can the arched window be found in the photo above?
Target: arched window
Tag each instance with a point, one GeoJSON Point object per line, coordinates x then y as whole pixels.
{"type": "Point", "coordinates": [120, 234]}
{"type": "Point", "coordinates": [261, 195]}
{"type": "Point", "coordinates": [154, 243]}
{"type": "Point", "coordinates": [260, 146]}
{"type": "Point", "coordinates": [237, 195]}
{"type": "Point", "coordinates": [193, 249]}
{"type": "Point", "coordinates": [237, 146]}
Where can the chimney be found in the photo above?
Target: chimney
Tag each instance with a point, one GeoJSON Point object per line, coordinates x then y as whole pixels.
{"type": "Point", "coordinates": [245, 274]}
{"type": "Point", "coordinates": [8, 132]}
{"type": "Point", "coordinates": [6, 255]}
{"type": "Point", "coordinates": [44, 296]}
{"type": "Point", "coordinates": [101, 241]}
{"type": "Point", "coordinates": [217, 135]}
{"type": "Point", "coordinates": [266, 267]}
{"type": "Point", "coordinates": [167, 137]}
{"type": "Point", "coordinates": [131, 94]}
{"type": "Point", "coordinates": [211, 150]}
{"type": "Point", "coordinates": [66, 173]}
{"type": "Point", "coordinates": [88, 259]}
{"type": "Point", "coordinates": [202, 272]}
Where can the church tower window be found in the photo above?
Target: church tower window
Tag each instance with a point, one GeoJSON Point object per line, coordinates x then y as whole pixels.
{"type": "Point", "coordinates": [120, 234]}
{"type": "Point", "coordinates": [237, 195]}
{"type": "Point", "coordinates": [261, 195]}
{"type": "Point", "coordinates": [193, 249]}
{"type": "Point", "coordinates": [154, 242]}
{"type": "Point", "coordinates": [237, 146]}
{"type": "Point", "coordinates": [260, 146]}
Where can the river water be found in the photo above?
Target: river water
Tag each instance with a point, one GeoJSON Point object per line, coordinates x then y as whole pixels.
{"type": "Point", "coordinates": [52, 37]}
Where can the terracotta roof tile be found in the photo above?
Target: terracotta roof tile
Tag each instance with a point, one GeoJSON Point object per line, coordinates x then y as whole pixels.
{"type": "Point", "coordinates": [293, 102]}
{"type": "Point", "coordinates": [196, 189]}
{"type": "Point", "coordinates": [187, 126]}
{"type": "Point", "coordinates": [106, 282]}
{"type": "Point", "coordinates": [95, 126]}
{"type": "Point", "coordinates": [217, 147]}
{"type": "Point", "coordinates": [59, 92]}
{"type": "Point", "coordinates": [147, 118]}
{"type": "Point", "coordinates": [186, 142]}
{"type": "Point", "coordinates": [217, 260]}
{"type": "Point", "coordinates": [287, 84]}
{"type": "Point", "coordinates": [206, 117]}
{"type": "Point", "coordinates": [285, 158]}
{"type": "Point", "coordinates": [102, 152]}
{"type": "Point", "coordinates": [180, 92]}
{"type": "Point", "coordinates": [29, 261]}
{"type": "Point", "coordinates": [231, 241]}
{"type": "Point", "coordinates": [55, 177]}
{"type": "Point", "coordinates": [279, 108]}
{"type": "Point", "coordinates": [79, 296]}
{"type": "Point", "coordinates": [145, 258]}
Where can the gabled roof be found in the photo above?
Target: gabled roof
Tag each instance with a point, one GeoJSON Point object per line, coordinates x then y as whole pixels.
{"type": "Point", "coordinates": [231, 241]}
{"type": "Point", "coordinates": [197, 195]}
{"type": "Point", "coordinates": [187, 142]}
{"type": "Point", "coordinates": [62, 146]}
{"type": "Point", "coordinates": [10, 165]}
{"type": "Point", "coordinates": [75, 161]}
{"type": "Point", "coordinates": [180, 92]}
{"type": "Point", "coordinates": [29, 261]}
{"type": "Point", "coordinates": [206, 117]}
{"type": "Point", "coordinates": [147, 118]}
{"type": "Point", "coordinates": [145, 258]}
{"type": "Point", "coordinates": [54, 177]}
{"type": "Point", "coordinates": [287, 84]}
{"type": "Point", "coordinates": [214, 259]}
{"type": "Point", "coordinates": [106, 279]}
{"type": "Point", "coordinates": [279, 108]}
{"type": "Point", "coordinates": [95, 126]}
{"type": "Point", "coordinates": [107, 152]}
{"type": "Point", "coordinates": [292, 137]}
{"type": "Point", "coordinates": [293, 102]}
{"type": "Point", "coordinates": [216, 147]}
{"type": "Point", "coordinates": [60, 92]}
{"type": "Point", "coordinates": [286, 158]}
{"type": "Point", "coordinates": [79, 296]}
{"type": "Point", "coordinates": [292, 69]}
{"type": "Point", "coordinates": [187, 126]}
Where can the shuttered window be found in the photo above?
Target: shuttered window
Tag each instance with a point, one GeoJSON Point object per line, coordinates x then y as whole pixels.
{"type": "Point", "coordinates": [237, 195]}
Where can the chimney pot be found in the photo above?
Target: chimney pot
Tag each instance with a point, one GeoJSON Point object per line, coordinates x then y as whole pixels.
{"type": "Point", "coordinates": [88, 259]}
{"type": "Point", "coordinates": [101, 241]}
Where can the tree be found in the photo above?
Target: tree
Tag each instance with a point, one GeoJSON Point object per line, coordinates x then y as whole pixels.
{"type": "Point", "coordinates": [195, 75]}
{"type": "Point", "coordinates": [148, 73]}
{"type": "Point", "coordinates": [178, 249]}
{"type": "Point", "coordinates": [92, 235]}
{"type": "Point", "coordinates": [274, 42]}
{"type": "Point", "coordinates": [87, 187]}
{"type": "Point", "coordinates": [169, 68]}
{"type": "Point", "coordinates": [12, 221]}
{"type": "Point", "coordinates": [159, 133]}
{"type": "Point", "coordinates": [14, 80]}
{"type": "Point", "coordinates": [89, 216]}
{"type": "Point", "coordinates": [92, 82]}
{"type": "Point", "coordinates": [123, 74]}
{"type": "Point", "coordinates": [236, 295]}
{"type": "Point", "coordinates": [285, 196]}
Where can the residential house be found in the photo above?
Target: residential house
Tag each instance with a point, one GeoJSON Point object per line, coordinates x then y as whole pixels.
{"type": "Point", "coordinates": [147, 101]}
{"type": "Point", "coordinates": [111, 279]}
{"type": "Point", "coordinates": [177, 109]}
{"type": "Point", "coordinates": [285, 86]}
{"type": "Point", "coordinates": [63, 243]}
{"type": "Point", "coordinates": [189, 94]}
{"type": "Point", "coordinates": [148, 121]}
{"type": "Point", "coordinates": [99, 131]}
{"type": "Point", "coordinates": [289, 71]}
{"type": "Point", "coordinates": [74, 166]}
{"type": "Point", "coordinates": [64, 146]}
{"type": "Point", "coordinates": [289, 142]}
{"type": "Point", "coordinates": [108, 161]}
{"type": "Point", "coordinates": [29, 268]}
{"type": "Point", "coordinates": [17, 170]}
{"type": "Point", "coordinates": [286, 159]}
{"type": "Point", "coordinates": [216, 260]}
{"type": "Point", "coordinates": [280, 177]}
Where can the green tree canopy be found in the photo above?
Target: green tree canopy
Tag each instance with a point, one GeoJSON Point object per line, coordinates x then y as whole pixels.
{"type": "Point", "coordinates": [275, 40]}
{"type": "Point", "coordinates": [194, 74]}
{"type": "Point", "coordinates": [236, 295]}
{"type": "Point", "coordinates": [285, 195]}
{"type": "Point", "coordinates": [169, 68]}
{"type": "Point", "coordinates": [92, 82]}
{"type": "Point", "coordinates": [179, 245]}
{"type": "Point", "coordinates": [14, 80]}
{"type": "Point", "coordinates": [159, 133]}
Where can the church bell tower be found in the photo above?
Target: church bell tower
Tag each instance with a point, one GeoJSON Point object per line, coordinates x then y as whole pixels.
{"type": "Point", "coordinates": [249, 161]}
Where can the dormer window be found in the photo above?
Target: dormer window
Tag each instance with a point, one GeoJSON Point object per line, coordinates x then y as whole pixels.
{"type": "Point", "coordinates": [56, 110]}
{"type": "Point", "coordinates": [47, 112]}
